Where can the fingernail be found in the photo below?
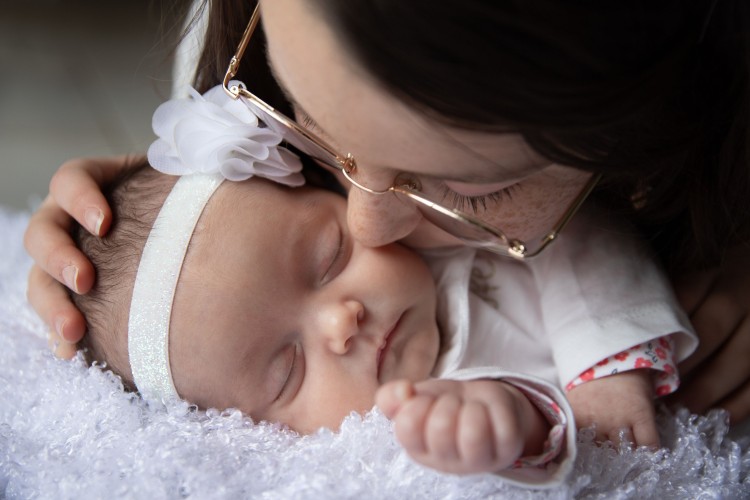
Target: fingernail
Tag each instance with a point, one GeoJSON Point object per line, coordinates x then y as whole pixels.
{"type": "Point", "coordinates": [60, 327]}
{"type": "Point", "coordinates": [53, 341]}
{"type": "Point", "coordinates": [94, 219]}
{"type": "Point", "coordinates": [70, 275]}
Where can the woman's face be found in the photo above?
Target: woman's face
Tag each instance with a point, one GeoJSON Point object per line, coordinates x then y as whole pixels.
{"type": "Point", "coordinates": [496, 176]}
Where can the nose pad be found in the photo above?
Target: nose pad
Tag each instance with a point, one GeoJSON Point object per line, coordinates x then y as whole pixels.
{"type": "Point", "coordinates": [376, 220]}
{"type": "Point", "coordinates": [341, 323]}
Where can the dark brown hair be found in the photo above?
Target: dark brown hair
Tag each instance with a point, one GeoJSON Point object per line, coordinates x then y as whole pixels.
{"type": "Point", "coordinates": [652, 94]}
{"type": "Point", "coordinates": [136, 197]}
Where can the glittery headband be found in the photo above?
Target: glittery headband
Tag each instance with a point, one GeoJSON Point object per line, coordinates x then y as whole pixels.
{"type": "Point", "coordinates": [205, 139]}
{"type": "Point", "coordinates": [156, 282]}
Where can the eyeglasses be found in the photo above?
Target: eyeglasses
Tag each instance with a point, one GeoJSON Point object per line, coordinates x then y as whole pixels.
{"type": "Point", "coordinates": [468, 228]}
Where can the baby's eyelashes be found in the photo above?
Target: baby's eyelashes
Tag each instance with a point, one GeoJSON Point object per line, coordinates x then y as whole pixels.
{"type": "Point", "coordinates": [339, 257]}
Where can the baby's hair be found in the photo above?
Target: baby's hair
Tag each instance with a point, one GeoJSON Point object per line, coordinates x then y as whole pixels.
{"type": "Point", "coordinates": [135, 197]}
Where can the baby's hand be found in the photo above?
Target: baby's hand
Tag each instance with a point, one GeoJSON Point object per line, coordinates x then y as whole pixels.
{"type": "Point", "coordinates": [617, 403]}
{"type": "Point", "coordinates": [463, 427]}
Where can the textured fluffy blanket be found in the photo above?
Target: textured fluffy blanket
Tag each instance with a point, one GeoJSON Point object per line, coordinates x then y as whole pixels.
{"type": "Point", "coordinates": [69, 431]}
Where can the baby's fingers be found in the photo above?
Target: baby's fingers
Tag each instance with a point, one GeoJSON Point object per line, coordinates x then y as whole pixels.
{"type": "Point", "coordinates": [392, 395]}
{"type": "Point", "coordinates": [476, 440]}
{"type": "Point", "coordinates": [441, 428]}
{"type": "Point", "coordinates": [645, 434]}
{"type": "Point", "coordinates": [409, 425]}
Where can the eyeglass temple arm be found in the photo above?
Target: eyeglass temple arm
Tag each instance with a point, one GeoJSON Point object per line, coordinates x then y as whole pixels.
{"type": "Point", "coordinates": [590, 185]}
{"type": "Point", "coordinates": [234, 63]}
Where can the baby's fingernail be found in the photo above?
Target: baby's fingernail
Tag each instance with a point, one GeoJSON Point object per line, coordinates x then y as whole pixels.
{"type": "Point", "coordinates": [94, 218]}
{"type": "Point", "coordinates": [70, 276]}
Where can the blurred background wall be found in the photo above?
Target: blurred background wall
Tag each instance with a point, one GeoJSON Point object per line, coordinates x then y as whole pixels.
{"type": "Point", "coordinates": [77, 78]}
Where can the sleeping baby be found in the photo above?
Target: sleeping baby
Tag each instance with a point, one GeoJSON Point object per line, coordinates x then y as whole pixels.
{"type": "Point", "coordinates": [251, 295]}
{"type": "Point", "coordinates": [276, 311]}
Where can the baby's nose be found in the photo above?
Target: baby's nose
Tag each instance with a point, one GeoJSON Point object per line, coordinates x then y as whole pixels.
{"type": "Point", "coordinates": [341, 324]}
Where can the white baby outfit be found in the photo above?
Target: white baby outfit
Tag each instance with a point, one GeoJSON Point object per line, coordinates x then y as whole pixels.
{"type": "Point", "coordinates": [595, 293]}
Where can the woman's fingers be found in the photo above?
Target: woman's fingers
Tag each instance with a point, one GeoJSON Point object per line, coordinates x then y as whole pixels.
{"type": "Point", "coordinates": [74, 191]}
{"type": "Point", "coordinates": [692, 289]}
{"type": "Point", "coordinates": [738, 404]}
{"type": "Point", "coordinates": [723, 378]}
{"type": "Point", "coordinates": [59, 347]}
{"type": "Point", "coordinates": [51, 301]}
{"type": "Point", "coordinates": [716, 320]}
{"type": "Point", "coordinates": [76, 188]}
{"type": "Point", "coordinates": [48, 241]}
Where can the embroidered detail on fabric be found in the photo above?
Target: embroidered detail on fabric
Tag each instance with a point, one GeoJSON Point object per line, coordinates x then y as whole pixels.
{"type": "Point", "coordinates": [482, 271]}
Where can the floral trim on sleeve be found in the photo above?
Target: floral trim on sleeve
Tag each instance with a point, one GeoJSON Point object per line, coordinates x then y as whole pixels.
{"type": "Point", "coordinates": [555, 441]}
{"type": "Point", "coordinates": [657, 354]}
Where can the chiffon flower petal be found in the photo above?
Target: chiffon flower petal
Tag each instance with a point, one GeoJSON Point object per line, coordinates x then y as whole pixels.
{"type": "Point", "coordinates": [213, 133]}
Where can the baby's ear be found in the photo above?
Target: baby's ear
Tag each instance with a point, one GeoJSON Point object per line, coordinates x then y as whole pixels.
{"type": "Point", "coordinates": [392, 395]}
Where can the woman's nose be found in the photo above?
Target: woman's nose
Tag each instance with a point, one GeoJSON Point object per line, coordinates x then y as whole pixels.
{"type": "Point", "coordinates": [376, 220]}
{"type": "Point", "coordinates": [340, 324]}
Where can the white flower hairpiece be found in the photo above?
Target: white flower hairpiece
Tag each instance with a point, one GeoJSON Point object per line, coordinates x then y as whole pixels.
{"type": "Point", "coordinates": [213, 133]}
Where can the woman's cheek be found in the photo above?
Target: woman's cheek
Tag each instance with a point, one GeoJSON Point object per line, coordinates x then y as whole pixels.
{"type": "Point", "coordinates": [427, 235]}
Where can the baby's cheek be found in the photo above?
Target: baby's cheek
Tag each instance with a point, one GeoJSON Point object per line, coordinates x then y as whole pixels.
{"type": "Point", "coordinates": [327, 406]}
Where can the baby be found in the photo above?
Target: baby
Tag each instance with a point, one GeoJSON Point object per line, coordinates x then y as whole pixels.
{"type": "Point", "coordinates": [276, 311]}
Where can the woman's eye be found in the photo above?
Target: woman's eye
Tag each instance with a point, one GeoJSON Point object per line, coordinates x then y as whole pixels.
{"type": "Point", "coordinates": [477, 202]}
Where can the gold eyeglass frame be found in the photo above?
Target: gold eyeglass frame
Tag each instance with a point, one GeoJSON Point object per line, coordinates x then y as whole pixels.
{"type": "Point", "coordinates": [496, 240]}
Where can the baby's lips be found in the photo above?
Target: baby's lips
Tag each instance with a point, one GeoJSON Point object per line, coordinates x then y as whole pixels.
{"type": "Point", "coordinates": [392, 395]}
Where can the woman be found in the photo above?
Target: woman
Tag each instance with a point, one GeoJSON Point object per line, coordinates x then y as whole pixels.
{"type": "Point", "coordinates": [503, 110]}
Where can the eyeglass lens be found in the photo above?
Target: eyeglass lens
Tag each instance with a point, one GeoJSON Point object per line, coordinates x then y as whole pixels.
{"type": "Point", "coordinates": [296, 137]}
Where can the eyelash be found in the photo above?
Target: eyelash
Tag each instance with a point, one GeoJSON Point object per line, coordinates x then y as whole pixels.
{"type": "Point", "coordinates": [308, 122]}
{"type": "Point", "coordinates": [463, 201]}
{"type": "Point", "coordinates": [337, 255]}
{"type": "Point", "coordinates": [460, 201]}
{"type": "Point", "coordinates": [287, 380]}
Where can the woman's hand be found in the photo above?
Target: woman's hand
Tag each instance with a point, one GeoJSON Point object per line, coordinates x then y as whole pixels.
{"type": "Point", "coordinates": [718, 303]}
{"type": "Point", "coordinates": [75, 193]}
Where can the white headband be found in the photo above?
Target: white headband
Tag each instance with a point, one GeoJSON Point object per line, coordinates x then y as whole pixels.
{"type": "Point", "coordinates": [205, 139]}
{"type": "Point", "coordinates": [156, 282]}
